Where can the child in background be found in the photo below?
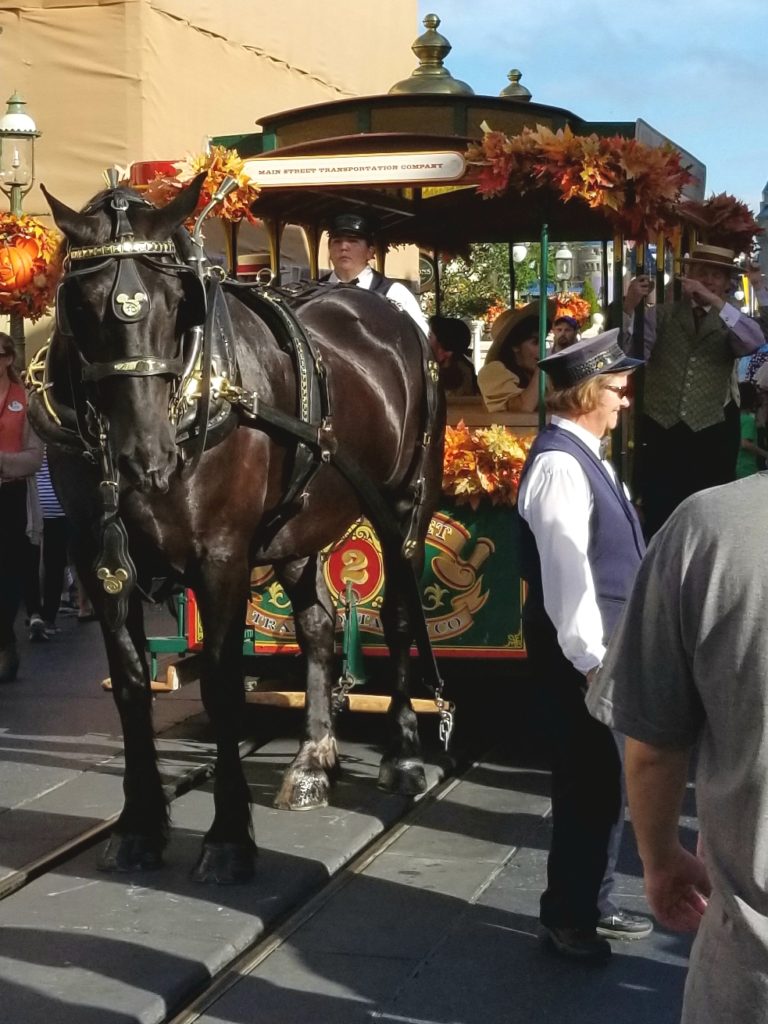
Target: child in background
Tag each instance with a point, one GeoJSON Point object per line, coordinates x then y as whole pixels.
{"type": "Point", "coordinates": [751, 457]}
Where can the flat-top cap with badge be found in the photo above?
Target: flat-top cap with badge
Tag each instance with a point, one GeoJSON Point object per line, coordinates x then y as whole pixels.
{"type": "Point", "coordinates": [713, 256]}
{"type": "Point", "coordinates": [588, 358]}
{"type": "Point", "coordinates": [350, 225]}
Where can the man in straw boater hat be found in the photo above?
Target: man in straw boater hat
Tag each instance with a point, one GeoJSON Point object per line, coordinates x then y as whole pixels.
{"type": "Point", "coordinates": [509, 380]}
{"type": "Point", "coordinates": [581, 546]}
{"type": "Point", "coordinates": [689, 433]}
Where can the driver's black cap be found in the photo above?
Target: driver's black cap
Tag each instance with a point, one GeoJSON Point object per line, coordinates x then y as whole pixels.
{"type": "Point", "coordinates": [351, 225]}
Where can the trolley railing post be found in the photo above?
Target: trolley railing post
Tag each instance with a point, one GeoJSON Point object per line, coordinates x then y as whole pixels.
{"type": "Point", "coordinates": [543, 316]}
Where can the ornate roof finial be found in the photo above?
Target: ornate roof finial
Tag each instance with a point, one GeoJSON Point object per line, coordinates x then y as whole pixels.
{"type": "Point", "coordinates": [430, 76]}
{"type": "Point", "coordinates": [515, 91]}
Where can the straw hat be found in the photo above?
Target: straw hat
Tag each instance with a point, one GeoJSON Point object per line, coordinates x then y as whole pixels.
{"type": "Point", "coordinates": [505, 322]}
{"type": "Point", "coordinates": [713, 256]}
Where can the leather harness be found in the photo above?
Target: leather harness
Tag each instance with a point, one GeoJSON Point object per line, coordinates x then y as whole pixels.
{"type": "Point", "coordinates": [207, 417]}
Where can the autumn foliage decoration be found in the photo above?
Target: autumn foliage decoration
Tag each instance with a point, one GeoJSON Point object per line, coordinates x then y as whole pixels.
{"type": "Point", "coordinates": [483, 463]}
{"type": "Point", "coordinates": [634, 185]}
{"type": "Point", "coordinates": [570, 304]}
{"type": "Point", "coordinates": [29, 266]}
{"type": "Point", "coordinates": [218, 164]}
{"type": "Point", "coordinates": [723, 220]}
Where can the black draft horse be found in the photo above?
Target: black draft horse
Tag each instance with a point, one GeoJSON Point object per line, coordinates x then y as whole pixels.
{"type": "Point", "coordinates": [208, 525]}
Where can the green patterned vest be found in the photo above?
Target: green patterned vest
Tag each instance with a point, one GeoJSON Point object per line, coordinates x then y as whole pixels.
{"type": "Point", "coordinates": [688, 376]}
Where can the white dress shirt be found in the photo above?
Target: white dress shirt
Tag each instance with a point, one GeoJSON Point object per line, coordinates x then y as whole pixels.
{"type": "Point", "coordinates": [396, 293]}
{"type": "Point", "coordinates": [556, 501]}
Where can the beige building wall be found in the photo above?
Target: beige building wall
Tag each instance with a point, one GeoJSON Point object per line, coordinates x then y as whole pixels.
{"type": "Point", "coordinates": [114, 81]}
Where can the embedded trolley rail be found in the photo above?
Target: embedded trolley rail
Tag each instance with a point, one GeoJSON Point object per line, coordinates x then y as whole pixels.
{"type": "Point", "coordinates": [162, 947]}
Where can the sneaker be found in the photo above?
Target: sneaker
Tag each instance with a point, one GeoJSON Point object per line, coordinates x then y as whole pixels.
{"type": "Point", "coordinates": [37, 630]}
{"type": "Point", "coordinates": [621, 924]}
{"type": "Point", "coordinates": [580, 944]}
{"type": "Point", "coordinates": [51, 629]}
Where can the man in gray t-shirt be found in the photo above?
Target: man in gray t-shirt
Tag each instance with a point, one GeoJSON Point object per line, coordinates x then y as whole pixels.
{"type": "Point", "coordinates": [687, 666]}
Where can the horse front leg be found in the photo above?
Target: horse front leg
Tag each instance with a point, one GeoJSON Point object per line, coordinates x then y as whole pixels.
{"type": "Point", "coordinates": [402, 766]}
{"type": "Point", "coordinates": [141, 832]}
{"type": "Point", "coordinates": [228, 851]}
{"type": "Point", "coordinates": [308, 778]}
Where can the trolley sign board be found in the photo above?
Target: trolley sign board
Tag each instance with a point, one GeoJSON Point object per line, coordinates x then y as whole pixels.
{"type": "Point", "coordinates": [390, 169]}
{"type": "Point", "coordinates": [471, 589]}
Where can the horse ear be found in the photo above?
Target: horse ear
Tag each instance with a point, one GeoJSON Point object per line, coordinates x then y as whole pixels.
{"type": "Point", "coordinates": [76, 227]}
{"type": "Point", "coordinates": [167, 219]}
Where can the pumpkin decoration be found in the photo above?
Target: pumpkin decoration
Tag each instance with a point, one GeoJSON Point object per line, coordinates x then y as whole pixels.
{"type": "Point", "coordinates": [29, 266]}
{"type": "Point", "coordinates": [17, 264]}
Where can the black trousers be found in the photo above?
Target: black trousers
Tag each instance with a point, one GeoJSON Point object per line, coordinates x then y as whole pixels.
{"type": "Point", "coordinates": [676, 462]}
{"type": "Point", "coordinates": [586, 783]}
{"type": "Point", "coordinates": [45, 600]}
{"type": "Point", "coordinates": [13, 550]}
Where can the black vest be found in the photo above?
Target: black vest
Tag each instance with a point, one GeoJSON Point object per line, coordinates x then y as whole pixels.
{"type": "Point", "coordinates": [380, 284]}
{"type": "Point", "coordinates": [616, 543]}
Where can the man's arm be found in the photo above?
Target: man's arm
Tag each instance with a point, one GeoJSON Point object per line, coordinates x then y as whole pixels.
{"type": "Point", "coordinates": [556, 503]}
{"type": "Point", "coordinates": [639, 288]}
{"type": "Point", "coordinates": [407, 300]}
{"type": "Point", "coordinates": [676, 882]}
{"type": "Point", "coordinates": [746, 335]}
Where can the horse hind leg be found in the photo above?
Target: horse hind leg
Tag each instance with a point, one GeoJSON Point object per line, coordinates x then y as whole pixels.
{"type": "Point", "coordinates": [402, 766]}
{"type": "Point", "coordinates": [309, 776]}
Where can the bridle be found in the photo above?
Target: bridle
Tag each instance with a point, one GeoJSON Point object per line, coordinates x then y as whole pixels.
{"type": "Point", "coordinates": [129, 299]}
{"type": "Point", "coordinates": [130, 303]}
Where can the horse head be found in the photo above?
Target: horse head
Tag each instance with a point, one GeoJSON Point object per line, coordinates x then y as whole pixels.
{"type": "Point", "coordinates": [126, 300]}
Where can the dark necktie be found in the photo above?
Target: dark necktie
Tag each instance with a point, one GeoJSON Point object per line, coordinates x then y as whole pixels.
{"type": "Point", "coordinates": [698, 315]}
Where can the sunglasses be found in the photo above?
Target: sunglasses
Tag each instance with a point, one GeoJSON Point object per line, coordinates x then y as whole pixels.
{"type": "Point", "coordinates": [622, 391]}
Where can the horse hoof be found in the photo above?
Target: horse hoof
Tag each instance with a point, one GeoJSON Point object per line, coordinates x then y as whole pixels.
{"type": "Point", "coordinates": [132, 853]}
{"type": "Point", "coordinates": [406, 777]}
{"type": "Point", "coordinates": [303, 790]}
{"type": "Point", "coordinates": [225, 863]}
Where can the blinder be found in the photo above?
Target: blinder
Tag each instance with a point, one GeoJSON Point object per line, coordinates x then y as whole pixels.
{"type": "Point", "coordinates": [129, 299]}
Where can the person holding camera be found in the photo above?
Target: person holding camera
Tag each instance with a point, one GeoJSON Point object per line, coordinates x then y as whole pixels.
{"type": "Point", "coordinates": [689, 432]}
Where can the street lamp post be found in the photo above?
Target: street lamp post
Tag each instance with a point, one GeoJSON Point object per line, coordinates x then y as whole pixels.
{"type": "Point", "coordinates": [17, 174]}
{"type": "Point", "coordinates": [563, 266]}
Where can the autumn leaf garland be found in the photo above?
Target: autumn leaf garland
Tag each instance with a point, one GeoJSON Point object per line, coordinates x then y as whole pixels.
{"type": "Point", "coordinates": [218, 164]}
{"type": "Point", "coordinates": [483, 463]}
{"type": "Point", "coordinates": [633, 184]}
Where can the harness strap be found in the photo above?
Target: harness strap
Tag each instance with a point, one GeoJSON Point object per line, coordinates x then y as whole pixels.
{"type": "Point", "coordinates": [141, 366]}
{"type": "Point", "coordinates": [312, 386]}
{"type": "Point", "coordinates": [376, 508]}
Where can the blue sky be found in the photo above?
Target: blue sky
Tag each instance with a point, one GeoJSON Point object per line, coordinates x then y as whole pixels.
{"type": "Point", "coordinates": [697, 70]}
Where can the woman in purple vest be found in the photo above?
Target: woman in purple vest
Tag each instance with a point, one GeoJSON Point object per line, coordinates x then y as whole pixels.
{"type": "Point", "coordinates": [581, 547]}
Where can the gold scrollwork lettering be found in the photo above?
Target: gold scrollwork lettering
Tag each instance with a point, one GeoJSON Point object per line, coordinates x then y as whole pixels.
{"type": "Point", "coordinates": [434, 596]}
{"type": "Point", "coordinates": [355, 564]}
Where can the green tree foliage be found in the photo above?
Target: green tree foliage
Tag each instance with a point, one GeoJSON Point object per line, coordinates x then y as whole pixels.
{"type": "Point", "coordinates": [589, 295]}
{"type": "Point", "coordinates": [470, 286]}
